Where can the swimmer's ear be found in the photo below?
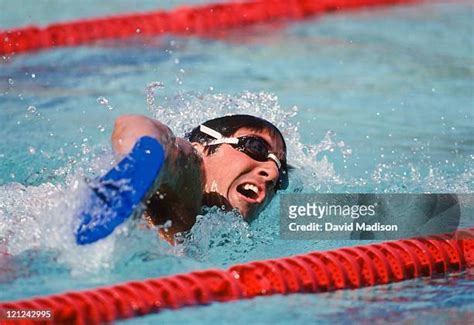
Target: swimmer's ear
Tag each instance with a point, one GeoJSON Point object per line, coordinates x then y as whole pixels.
{"type": "Point", "coordinates": [198, 147]}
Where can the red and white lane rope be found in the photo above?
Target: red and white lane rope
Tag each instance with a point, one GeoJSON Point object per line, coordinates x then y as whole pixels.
{"type": "Point", "coordinates": [343, 268]}
{"type": "Point", "coordinates": [193, 20]}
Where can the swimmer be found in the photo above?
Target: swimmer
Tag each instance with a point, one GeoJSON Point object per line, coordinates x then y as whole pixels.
{"type": "Point", "coordinates": [234, 162]}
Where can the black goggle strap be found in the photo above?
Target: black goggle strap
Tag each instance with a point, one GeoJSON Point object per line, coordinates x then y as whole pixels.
{"type": "Point", "coordinates": [220, 139]}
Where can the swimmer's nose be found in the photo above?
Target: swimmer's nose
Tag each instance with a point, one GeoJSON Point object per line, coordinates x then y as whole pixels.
{"type": "Point", "coordinates": [268, 170]}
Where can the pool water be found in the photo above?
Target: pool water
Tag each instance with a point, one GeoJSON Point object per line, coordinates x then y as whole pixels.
{"type": "Point", "coordinates": [370, 101]}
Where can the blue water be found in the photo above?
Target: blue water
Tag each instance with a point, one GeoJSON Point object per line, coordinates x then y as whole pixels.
{"type": "Point", "coordinates": [370, 101]}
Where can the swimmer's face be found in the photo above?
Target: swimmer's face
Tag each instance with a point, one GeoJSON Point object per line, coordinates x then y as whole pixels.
{"type": "Point", "coordinates": [247, 184]}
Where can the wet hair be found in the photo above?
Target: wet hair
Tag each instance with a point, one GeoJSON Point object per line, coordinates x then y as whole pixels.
{"type": "Point", "coordinates": [229, 125]}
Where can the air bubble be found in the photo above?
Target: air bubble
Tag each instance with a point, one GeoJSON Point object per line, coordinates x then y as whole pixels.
{"type": "Point", "coordinates": [10, 81]}
{"type": "Point", "coordinates": [31, 150]}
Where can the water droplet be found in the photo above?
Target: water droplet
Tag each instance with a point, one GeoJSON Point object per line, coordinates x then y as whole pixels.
{"type": "Point", "coordinates": [33, 76]}
{"type": "Point", "coordinates": [104, 102]}
{"type": "Point", "coordinates": [31, 109]}
{"type": "Point", "coordinates": [211, 88]}
{"type": "Point", "coordinates": [150, 94]}
{"type": "Point", "coordinates": [101, 128]}
{"type": "Point", "coordinates": [168, 224]}
{"type": "Point", "coordinates": [138, 30]}
{"type": "Point", "coordinates": [31, 150]}
{"type": "Point", "coordinates": [10, 81]}
{"type": "Point", "coordinates": [176, 61]}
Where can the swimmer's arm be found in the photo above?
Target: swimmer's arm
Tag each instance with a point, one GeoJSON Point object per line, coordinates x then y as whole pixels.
{"type": "Point", "coordinates": [129, 128]}
{"type": "Point", "coordinates": [182, 171]}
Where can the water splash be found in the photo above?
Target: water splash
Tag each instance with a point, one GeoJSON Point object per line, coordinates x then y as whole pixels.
{"type": "Point", "coordinates": [185, 111]}
{"type": "Point", "coordinates": [218, 236]}
{"type": "Point", "coordinates": [38, 219]}
{"type": "Point", "coordinates": [396, 177]}
{"type": "Point", "coordinates": [150, 95]}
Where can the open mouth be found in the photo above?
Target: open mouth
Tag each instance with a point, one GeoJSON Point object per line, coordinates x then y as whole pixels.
{"type": "Point", "coordinates": [250, 191]}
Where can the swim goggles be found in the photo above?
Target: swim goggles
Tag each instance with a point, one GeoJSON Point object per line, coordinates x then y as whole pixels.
{"type": "Point", "coordinates": [253, 146]}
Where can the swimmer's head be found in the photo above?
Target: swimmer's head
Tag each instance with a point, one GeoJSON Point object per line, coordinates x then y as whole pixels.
{"type": "Point", "coordinates": [244, 160]}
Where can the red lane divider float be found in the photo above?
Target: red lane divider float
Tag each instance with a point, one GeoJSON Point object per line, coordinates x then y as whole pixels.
{"type": "Point", "coordinates": [344, 268]}
{"type": "Point", "coordinates": [185, 20]}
